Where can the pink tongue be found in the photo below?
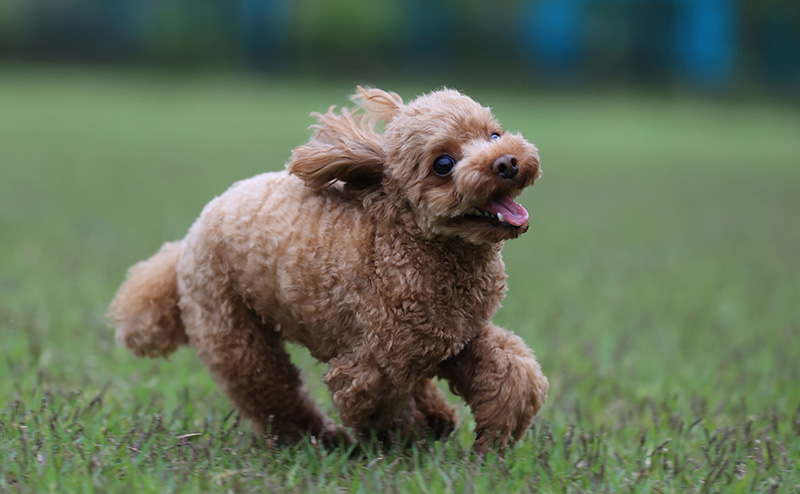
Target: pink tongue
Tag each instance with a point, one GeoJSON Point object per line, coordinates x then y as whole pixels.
{"type": "Point", "coordinates": [513, 213]}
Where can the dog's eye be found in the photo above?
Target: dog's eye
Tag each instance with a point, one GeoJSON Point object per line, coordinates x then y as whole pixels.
{"type": "Point", "coordinates": [443, 165]}
{"type": "Point", "coordinates": [495, 136]}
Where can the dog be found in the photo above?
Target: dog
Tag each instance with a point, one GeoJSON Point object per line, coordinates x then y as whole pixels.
{"type": "Point", "coordinates": [379, 250]}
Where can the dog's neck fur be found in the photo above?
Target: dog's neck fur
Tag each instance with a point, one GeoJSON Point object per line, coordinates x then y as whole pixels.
{"type": "Point", "coordinates": [461, 284]}
{"type": "Point", "coordinates": [398, 227]}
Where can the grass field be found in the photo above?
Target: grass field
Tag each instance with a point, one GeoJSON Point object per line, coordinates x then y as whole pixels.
{"type": "Point", "coordinates": [659, 285]}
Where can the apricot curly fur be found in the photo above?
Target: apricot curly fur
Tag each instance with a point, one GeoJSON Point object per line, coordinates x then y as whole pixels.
{"type": "Point", "coordinates": [386, 270]}
{"type": "Point", "coordinates": [146, 306]}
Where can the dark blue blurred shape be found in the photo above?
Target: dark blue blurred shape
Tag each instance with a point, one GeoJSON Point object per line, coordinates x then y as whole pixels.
{"type": "Point", "coordinates": [555, 33]}
{"type": "Point", "coordinates": [264, 26]}
{"type": "Point", "coordinates": [706, 43]}
{"type": "Point", "coordinates": [701, 33]}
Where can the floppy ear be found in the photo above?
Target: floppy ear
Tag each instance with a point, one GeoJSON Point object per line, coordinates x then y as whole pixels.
{"type": "Point", "coordinates": [343, 148]}
{"type": "Point", "coordinates": [378, 105]}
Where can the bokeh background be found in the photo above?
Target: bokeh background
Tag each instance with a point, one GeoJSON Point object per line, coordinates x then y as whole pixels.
{"type": "Point", "coordinates": [658, 283]}
{"type": "Point", "coordinates": [708, 44]}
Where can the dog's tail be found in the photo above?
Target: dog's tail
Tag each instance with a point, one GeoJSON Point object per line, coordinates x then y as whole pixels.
{"type": "Point", "coordinates": [145, 308]}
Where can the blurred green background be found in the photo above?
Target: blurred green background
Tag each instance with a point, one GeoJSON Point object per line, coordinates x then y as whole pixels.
{"type": "Point", "coordinates": [658, 283]}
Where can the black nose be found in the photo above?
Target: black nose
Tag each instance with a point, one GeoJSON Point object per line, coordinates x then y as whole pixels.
{"type": "Point", "coordinates": [506, 166]}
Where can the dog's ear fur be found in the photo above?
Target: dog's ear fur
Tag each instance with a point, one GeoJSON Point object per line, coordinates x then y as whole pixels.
{"type": "Point", "coordinates": [345, 146]}
{"type": "Point", "coordinates": [378, 105]}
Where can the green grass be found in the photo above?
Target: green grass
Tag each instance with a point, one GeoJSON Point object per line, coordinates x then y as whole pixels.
{"type": "Point", "coordinates": [659, 285]}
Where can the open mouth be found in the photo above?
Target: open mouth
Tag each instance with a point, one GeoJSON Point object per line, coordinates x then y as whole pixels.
{"type": "Point", "coordinates": [501, 211]}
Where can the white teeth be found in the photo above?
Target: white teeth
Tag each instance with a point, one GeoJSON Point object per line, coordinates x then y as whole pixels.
{"type": "Point", "coordinates": [477, 212]}
{"type": "Point", "coordinates": [485, 214]}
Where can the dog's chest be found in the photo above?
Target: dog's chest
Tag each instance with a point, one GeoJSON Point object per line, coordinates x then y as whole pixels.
{"type": "Point", "coordinates": [441, 297]}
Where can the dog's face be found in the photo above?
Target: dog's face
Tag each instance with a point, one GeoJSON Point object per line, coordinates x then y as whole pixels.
{"type": "Point", "coordinates": [459, 169]}
{"type": "Point", "coordinates": [442, 153]}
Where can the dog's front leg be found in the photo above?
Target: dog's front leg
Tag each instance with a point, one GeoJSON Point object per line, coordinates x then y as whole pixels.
{"type": "Point", "coordinates": [366, 399]}
{"type": "Point", "coordinates": [501, 381]}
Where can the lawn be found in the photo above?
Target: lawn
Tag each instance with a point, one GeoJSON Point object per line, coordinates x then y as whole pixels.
{"type": "Point", "coordinates": [659, 285]}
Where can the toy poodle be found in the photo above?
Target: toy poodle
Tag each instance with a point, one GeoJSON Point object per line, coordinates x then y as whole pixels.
{"type": "Point", "coordinates": [378, 249]}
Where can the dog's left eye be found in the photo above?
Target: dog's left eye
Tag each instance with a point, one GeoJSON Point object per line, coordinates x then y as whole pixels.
{"type": "Point", "coordinates": [443, 165]}
{"type": "Point", "coordinates": [495, 136]}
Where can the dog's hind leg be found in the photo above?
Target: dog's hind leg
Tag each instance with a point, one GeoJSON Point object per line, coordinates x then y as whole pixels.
{"type": "Point", "coordinates": [247, 359]}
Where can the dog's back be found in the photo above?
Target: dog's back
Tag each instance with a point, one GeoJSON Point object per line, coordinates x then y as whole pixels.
{"type": "Point", "coordinates": [290, 254]}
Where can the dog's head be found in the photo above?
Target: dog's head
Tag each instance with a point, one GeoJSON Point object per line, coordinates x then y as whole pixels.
{"type": "Point", "coordinates": [443, 156]}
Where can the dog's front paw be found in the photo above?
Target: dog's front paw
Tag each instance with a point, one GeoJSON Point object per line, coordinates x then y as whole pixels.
{"type": "Point", "coordinates": [334, 436]}
{"type": "Point", "coordinates": [432, 413]}
{"type": "Point", "coordinates": [503, 384]}
{"type": "Point", "coordinates": [355, 388]}
{"type": "Point", "coordinates": [518, 395]}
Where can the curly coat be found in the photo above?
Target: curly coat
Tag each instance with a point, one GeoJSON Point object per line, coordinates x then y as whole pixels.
{"type": "Point", "coordinates": [384, 267]}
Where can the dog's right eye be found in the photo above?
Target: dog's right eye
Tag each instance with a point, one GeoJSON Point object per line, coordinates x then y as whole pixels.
{"type": "Point", "coordinates": [443, 165]}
